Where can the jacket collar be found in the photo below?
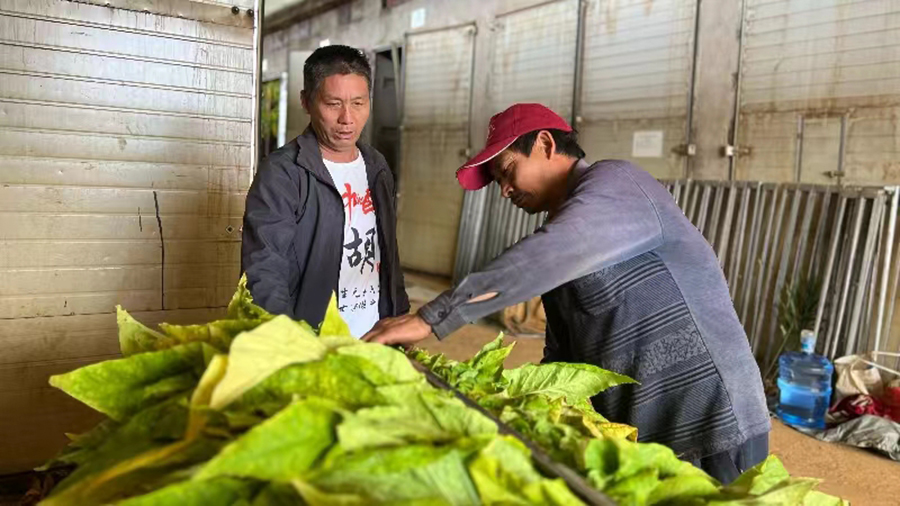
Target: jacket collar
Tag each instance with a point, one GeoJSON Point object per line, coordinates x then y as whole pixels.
{"type": "Point", "coordinates": [309, 157]}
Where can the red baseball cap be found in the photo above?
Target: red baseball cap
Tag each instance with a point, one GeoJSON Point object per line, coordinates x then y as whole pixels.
{"type": "Point", "coordinates": [503, 130]}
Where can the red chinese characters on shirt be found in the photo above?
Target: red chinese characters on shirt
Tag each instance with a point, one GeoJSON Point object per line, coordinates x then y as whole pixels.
{"type": "Point", "coordinates": [352, 199]}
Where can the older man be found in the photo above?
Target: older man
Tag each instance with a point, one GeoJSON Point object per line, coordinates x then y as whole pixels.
{"type": "Point", "coordinates": [321, 215]}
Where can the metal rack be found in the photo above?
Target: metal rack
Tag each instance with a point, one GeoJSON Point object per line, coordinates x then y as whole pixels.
{"type": "Point", "coordinates": [547, 465]}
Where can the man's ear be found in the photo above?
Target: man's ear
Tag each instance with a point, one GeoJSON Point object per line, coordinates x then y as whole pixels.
{"type": "Point", "coordinates": [545, 145]}
{"type": "Point", "coordinates": [304, 101]}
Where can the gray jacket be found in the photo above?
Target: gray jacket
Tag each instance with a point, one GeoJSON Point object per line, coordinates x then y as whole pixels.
{"type": "Point", "coordinates": [630, 285]}
{"type": "Point", "coordinates": [293, 232]}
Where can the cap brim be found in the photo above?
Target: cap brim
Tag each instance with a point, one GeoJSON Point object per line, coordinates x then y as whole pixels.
{"type": "Point", "coordinates": [476, 174]}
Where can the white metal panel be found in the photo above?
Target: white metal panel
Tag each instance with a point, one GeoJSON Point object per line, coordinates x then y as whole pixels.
{"type": "Point", "coordinates": [434, 139]}
{"type": "Point", "coordinates": [638, 62]}
{"type": "Point", "coordinates": [812, 62]}
{"type": "Point", "coordinates": [533, 58]}
{"type": "Point", "coordinates": [123, 134]}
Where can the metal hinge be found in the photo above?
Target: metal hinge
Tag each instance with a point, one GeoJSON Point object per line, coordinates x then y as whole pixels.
{"type": "Point", "coordinates": [685, 149]}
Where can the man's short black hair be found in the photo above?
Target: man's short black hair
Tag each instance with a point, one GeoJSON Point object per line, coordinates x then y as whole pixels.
{"type": "Point", "coordinates": [566, 143]}
{"type": "Point", "coordinates": [334, 60]}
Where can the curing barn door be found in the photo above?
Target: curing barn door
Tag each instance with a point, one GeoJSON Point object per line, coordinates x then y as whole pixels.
{"type": "Point", "coordinates": [533, 59]}
{"type": "Point", "coordinates": [434, 143]}
{"type": "Point", "coordinates": [125, 155]}
{"type": "Point", "coordinates": [820, 92]}
{"type": "Point", "coordinates": [637, 68]}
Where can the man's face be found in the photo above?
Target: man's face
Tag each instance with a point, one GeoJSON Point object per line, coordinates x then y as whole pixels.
{"type": "Point", "coordinates": [526, 179]}
{"type": "Point", "coordinates": [339, 110]}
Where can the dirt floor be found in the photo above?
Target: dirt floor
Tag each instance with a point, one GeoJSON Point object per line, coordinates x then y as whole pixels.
{"type": "Point", "coordinates": [862, 477]}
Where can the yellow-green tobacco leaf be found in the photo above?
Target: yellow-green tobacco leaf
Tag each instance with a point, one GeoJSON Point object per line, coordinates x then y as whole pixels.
{"type": "Point", "coordinates": [257, 354]}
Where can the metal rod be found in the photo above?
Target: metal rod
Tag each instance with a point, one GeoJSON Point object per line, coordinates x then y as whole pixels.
{"type": "Point", "coordinates": [750, 267]}
{"type": "Point", "coordinates": [547, 465]}
{"type": "Point", "coordinates": [873, 275]}
{"type": "Point", "coordinates": [854, 241]}
{"type": "Point", "coordinates": [738, 243]}
{"type": "Point", "coordinates": [676, 192]}
{"type": "Point", "coordinates": [864, 268]}
{"type": "Point", "coordinates": [802, 238]}
{"type": "Point", "coordinates": [893, 299]}
{"type": "Point", "coordinates": [258, 7]}
{"type": "Point", "coordinates": [716, 211]}
{"type": "Point", "coordinates": [829, 264]}
{"type": "Point", "coordinates": [843, 255]}
{"type": "Point", "coordinates": [692, 88]}
{"type": "Point", "coordinates": [886, 269]}
{"type": "Point", "coordinates": [703, 214]}
{"type": "Point", "coordinates": [783, 266]}
{"type": "Point", "coordinates": [726, 227]}
{"type": "Point", "coordinates": [824, 214]}
{"type": "Point", "coordinates": [692, 205]}
{"type": "Point", "coordinates": [579, 61]}
{"type": "Point", "coordinates": [686, 197]}
{"type": "Point", "coordinates": [798, 159]}
{"type": "Point", "coordinates": [767, 272]}
{"type": "Point", "coordinates": [736, 114]}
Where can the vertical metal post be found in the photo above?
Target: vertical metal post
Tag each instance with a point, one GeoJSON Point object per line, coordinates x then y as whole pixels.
{"type": "Point", "coordinates": [722, 252]}
{"type": "Point", "coordinates": [798, 159]}
{"type": "Point", "coordinates": [783, 267]}
{"type": "Point", "coordinates": [829, 264]}
{"type": "Point", "coordinates": [803, 237]}
{"type": "Point", "coordinates": [872, 272]}
{"type": "Point", "coordinates": [686, 197]}
{"type": "Point", "coordinates": [821, 225]}
{"type": "Point", "coordinates": [854, 242]}
{"type": "Point", "coordinates": [736, 115]}
{"type": "Point", "coordinates": [716, 215]}
{"type": "Point", "coordinates": [579, 62]}
{"type": "Point", "coordinates": [768, 273]}
{"type": "Point", "coordinates": [703, 213]}
{"type": "Point", "coordinates": [737, 249]}
{"type": "Point", "coordinates": [258, 7]}
{"type": "Point", "coordinates": [862, 279]}
{"type": "Point", "coordinates": [886, 269]}
{"type": "Point", "coordinates": [750, 266]}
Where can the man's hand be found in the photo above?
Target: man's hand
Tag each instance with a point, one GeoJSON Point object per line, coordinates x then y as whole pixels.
{"type": "Point", "coordinates": [403, 330]}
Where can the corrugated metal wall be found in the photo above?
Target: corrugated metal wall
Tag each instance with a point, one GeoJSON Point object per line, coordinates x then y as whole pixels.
{"type": "Point", "coordinates": [820, 91]}
{"type": "Point", "coordinates": [638, 63]}
{"type": "Point", "coordinates": [123, 135]}
{"type": "Point", "coordinates": [534, 56]}
{"type": "Point", "coordinates": [435, 137]}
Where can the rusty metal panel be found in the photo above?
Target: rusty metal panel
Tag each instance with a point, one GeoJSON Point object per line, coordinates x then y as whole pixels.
{"type": "Point", "coordinates": [125, 156]}
{"type": "Point", "coordinates": [533, 57]}
{"type": "Point", "coordinates": [638, 64]}
{"type": "Point", "coordinates": [434, 142]}
{"type": "Point", "coordinates": [819, 91]}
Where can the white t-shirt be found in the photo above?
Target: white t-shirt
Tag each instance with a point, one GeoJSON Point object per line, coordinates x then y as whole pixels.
{"type": "Point", "coordinates": [358, 286]}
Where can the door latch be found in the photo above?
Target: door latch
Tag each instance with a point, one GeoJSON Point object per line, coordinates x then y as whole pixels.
{"type": "Point", "coordinates": [730, 151]}
{"type": "Point", "coordinates": [685, 149]}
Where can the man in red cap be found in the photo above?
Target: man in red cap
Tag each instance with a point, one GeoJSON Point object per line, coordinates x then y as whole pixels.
{"type": "Point", "coordinates": [628, 284]}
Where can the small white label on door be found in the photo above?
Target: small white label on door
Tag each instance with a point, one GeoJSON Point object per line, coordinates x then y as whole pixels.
{"type": "Point", "coordinates": [417, 18]}
{"type": "Point", "coordinates": [647, 144]}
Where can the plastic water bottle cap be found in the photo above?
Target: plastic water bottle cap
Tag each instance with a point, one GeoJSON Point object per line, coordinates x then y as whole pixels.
{"type": "Point", "coordinates": [807, 341]}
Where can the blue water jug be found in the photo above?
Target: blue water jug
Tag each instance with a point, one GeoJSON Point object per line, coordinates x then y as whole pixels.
{"type": "Point", "coordinates": [804, 380]}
